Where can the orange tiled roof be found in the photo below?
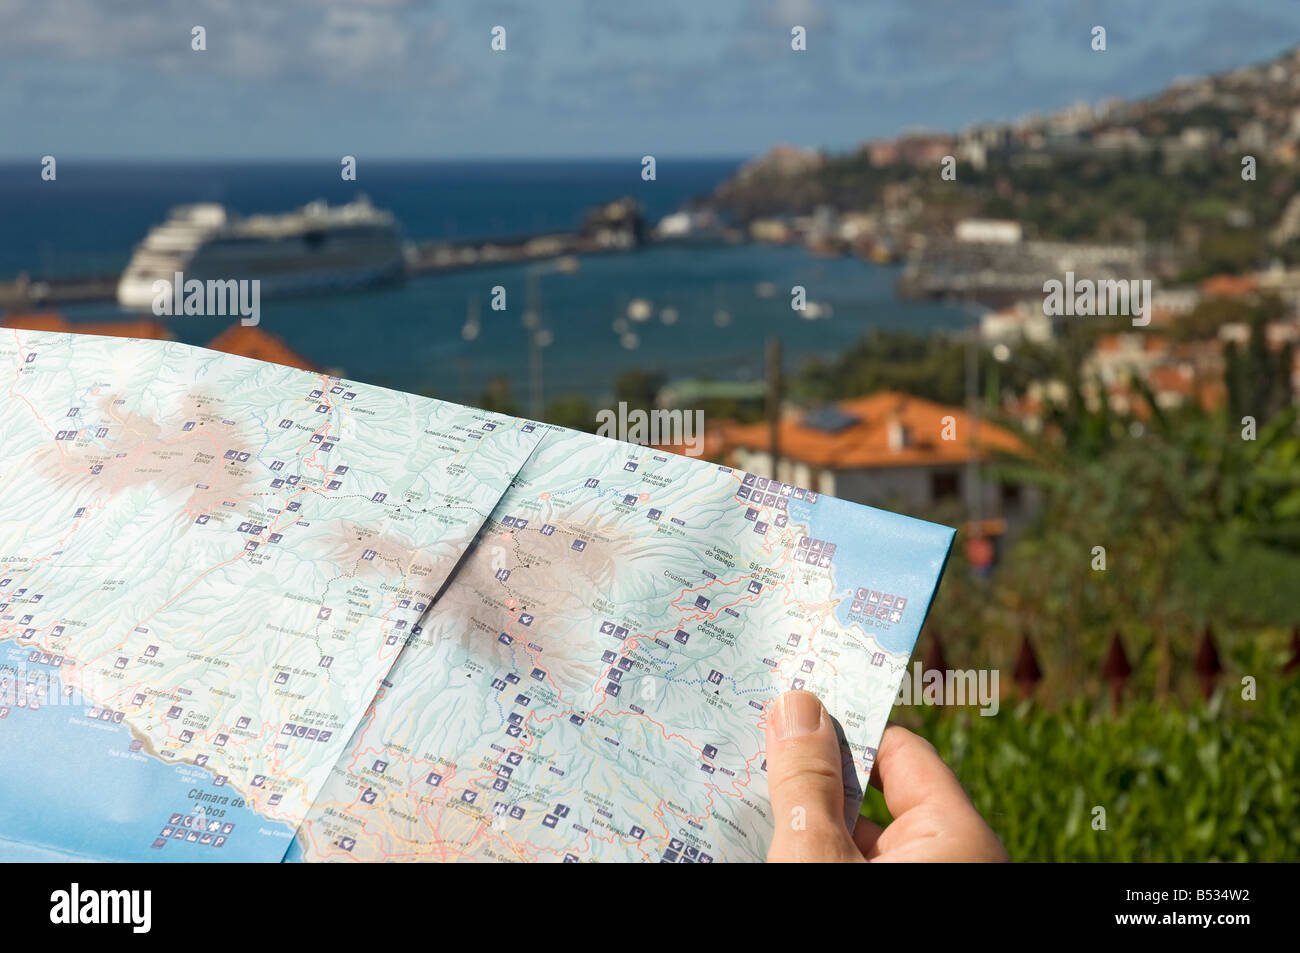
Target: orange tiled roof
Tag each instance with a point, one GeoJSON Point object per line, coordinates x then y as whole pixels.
{"type": "Point", "coordinates": [253, 342]}
{"type": "Point", "coordinates": [714, 446]}
{"type": "Point", "coordinates": [865, 444]}
{"type": "Point", "coordinates": [1212, 394]}
{"type": "Point", "coordinates": [1204, 351]}
{"type": "Point", "coordinates": [146, 328]}
{"type": "Point", "coordinates": [236, 339]}
{"type": "Point", "coordinates": [1170, 379]}
{"type": "Point", "coordinates": [1228, 286]}
{"type": "Point", "coordinates": [1023, 407]}
{"type": "Point", "coordinates": [45, 321]}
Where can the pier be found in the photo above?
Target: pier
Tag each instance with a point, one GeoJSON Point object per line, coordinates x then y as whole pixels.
{"type": "Point", "coordinates": [24, 293]}
{"type": "Point", "coordinates": [612, 227]}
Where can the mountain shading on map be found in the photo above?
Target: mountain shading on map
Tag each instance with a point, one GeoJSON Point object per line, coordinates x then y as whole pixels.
{"type": "Point", "coordinates": [248, 611]}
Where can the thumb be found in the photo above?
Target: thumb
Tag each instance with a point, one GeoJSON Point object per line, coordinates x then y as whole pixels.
{"type": "Point", "coordinates": [805, 783]}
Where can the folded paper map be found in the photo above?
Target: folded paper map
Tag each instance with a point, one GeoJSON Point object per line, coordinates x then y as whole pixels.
{"type": "Point", "coordinates": [255, 613]}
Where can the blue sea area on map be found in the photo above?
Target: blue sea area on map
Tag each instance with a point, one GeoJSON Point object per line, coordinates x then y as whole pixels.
{"type": "Point", "coordinates": [295, 854]}
{"type": "Point", "coordinates": [881, 551]}
{"type": "Point", "coordinates": [72, 788]}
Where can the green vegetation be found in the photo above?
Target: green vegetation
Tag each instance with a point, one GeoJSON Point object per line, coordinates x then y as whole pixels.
{"type": "Point", "coordinates": [1209, 782]}
{"type": "Point", "coordinates": [498, 397]}
{"type": "Point", "coordinates": [1194, 203]}
{"type": "Point", "coordinates": [1199, 527]}
{"type": "Point", "coordinates": [573, 411]}
{"type": "Point", "coordinates": [1131, 197]}
{"type": "Point", "coordinates": [931, 366]}
{"type": "Point", "coordinates": [1195, 525]}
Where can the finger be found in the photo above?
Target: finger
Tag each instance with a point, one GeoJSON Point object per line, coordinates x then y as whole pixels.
{"type": "Point", "coordinates": [865, 835]}
{"type": "Point", "coordinates": [934, 819]}
{"type": "Point", "coordinates": [909, 772]}
{"type": "Point", "coordinates": [805, 783]}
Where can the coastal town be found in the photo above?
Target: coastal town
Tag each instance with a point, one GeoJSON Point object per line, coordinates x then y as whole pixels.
{"type": "Point", "coordinates": [990, 216]}
{"type": "Point", "coordinates": [967, 217]}
{"type": "Point", "coordinates": [577, 432]}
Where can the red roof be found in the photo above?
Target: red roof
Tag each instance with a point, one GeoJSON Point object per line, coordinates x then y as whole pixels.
{"type": "Point", "coordinates": [1228, 286]}
{"type": "Point", "coordinates": [146, 328]}
{"type": "Point", "coordinates": [1171, 379]}
{"type": "Point", "coordinates": [237, 339]}
{"type": "Point", "coordinates": [865, 441]}
{"type": "Point", "coordinates": [713, 444]}
{"type": "Point", "coordinates": [253, 342]}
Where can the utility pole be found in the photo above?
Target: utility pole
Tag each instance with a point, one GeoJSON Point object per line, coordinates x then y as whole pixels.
{"type": "Point", "coordinates": [974, 494]}
{"type": "Point", "coordinates": [469, 333]}
{"type": "Point", "coordinates": [533, 323]}
{"type": "Point", "coordinates": [774, 384]}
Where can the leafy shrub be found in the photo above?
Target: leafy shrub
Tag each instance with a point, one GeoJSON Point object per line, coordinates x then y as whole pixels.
{"type": "Point", "coordinates": [1214, 781]}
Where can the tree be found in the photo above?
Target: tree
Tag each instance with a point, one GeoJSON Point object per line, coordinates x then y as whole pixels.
{"type": "Point", "coordinates": [497, 398]}
{"type": "Point", "coordinates": [573, 411]}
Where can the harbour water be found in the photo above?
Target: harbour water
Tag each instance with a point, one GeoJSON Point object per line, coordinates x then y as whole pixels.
{"type": "Point", "coordinates": [711, 307]}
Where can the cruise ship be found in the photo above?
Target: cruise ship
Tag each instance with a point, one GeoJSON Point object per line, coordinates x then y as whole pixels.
{"type": "Point", "coordinates": [312, 249]}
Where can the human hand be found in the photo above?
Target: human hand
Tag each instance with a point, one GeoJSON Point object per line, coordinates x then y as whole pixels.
{"type": "Point", "coordinates": [934, 820]}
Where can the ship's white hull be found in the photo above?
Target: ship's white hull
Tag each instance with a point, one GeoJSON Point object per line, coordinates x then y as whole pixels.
{"type": "Point", "coordinates": [316, 249]}
{"type": "Point", "coordinates": [138, 292]}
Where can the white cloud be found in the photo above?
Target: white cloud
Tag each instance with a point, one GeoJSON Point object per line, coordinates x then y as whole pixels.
{"type": "Point", "coordinates": [367, 42]}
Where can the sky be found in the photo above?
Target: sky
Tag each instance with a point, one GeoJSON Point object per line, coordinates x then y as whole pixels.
{"type": "Point", "coordinates": [578, 78]}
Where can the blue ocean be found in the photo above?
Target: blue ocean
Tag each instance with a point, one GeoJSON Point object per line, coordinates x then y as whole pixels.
{"type": "Point", "coordinates": [143, 808]}
{"type": "Point", "coordinates": [712, 307]}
